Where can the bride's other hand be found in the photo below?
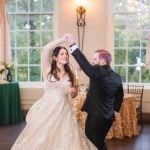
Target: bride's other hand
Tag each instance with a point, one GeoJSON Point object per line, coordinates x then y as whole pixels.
{"type": "Point", "coordinates": [73, 91]}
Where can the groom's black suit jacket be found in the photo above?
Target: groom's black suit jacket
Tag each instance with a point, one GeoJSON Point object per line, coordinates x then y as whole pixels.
{"type": "Point", "coordinates": [105, 93]}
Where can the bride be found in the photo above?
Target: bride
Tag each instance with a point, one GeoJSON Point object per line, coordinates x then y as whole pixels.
{"type": "Point", "coordinates": [51, 123]}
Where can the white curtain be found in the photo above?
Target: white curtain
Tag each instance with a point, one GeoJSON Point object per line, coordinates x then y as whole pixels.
{"type": "Point", "coordinates": [5, 53]}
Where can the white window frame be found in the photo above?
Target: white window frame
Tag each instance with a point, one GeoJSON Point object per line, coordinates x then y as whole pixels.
{"type": "Point", "coordinates": [147, 85]}
{"type": "Point", "coordinates": [40, 84]}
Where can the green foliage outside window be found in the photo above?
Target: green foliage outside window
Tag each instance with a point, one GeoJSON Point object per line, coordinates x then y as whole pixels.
{"type": "Point", "coordinates": [131, 29]}
{"type": "Point", "coordinates": [121, 53]}
{"type": "Point", "coordinates": [133, 75]}
{"type": "Point", "coordinates": [122, 71]}
{"type": "Point", "coordinates": [22, 56]}
{"type": "Point", "coordinates": [132, 54]}
{"type": "Point", "coordinates": [22, 73]}
{"type": "Point", "coordinates": [31, 27]}
{"type": "Point", "coordinates": [35, 73]}
{"type": "Point", "coordinates": [36, 54]}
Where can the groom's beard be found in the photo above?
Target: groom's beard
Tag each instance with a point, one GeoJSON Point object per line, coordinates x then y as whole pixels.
{"type": "Point", "coordinates": [95, 64]}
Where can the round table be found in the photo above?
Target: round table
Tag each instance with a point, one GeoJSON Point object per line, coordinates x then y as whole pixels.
{"type": "Point", "coordinates": [10, 103]}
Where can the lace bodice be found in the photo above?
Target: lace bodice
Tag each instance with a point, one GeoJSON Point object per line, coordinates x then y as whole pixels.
{"type": "Point", "coordinates": [57, 87]}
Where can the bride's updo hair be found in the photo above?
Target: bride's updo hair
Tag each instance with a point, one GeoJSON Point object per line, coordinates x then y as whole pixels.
{"type": "Point", "coordinates": [55, 69]}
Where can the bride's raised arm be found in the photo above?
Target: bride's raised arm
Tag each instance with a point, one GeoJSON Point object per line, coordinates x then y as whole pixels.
{"type": "Point", "coordinates": [45, 57]}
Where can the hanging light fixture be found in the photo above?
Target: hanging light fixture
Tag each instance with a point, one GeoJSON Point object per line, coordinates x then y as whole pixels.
{"type": "Point", "coordinates": [80, 10]}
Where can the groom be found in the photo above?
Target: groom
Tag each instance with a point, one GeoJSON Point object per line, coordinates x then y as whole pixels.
{"type": "Point", "coordinates": [104, 96]}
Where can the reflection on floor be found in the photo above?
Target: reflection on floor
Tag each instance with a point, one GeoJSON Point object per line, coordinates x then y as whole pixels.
{"type": "Point", "coordinates": [142, 142]}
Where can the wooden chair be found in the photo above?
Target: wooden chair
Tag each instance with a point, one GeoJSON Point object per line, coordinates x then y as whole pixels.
{"type": "Point", "coordinates": [137, 90]}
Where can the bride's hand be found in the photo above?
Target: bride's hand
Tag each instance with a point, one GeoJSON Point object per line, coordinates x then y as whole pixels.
{"type": "Point", "coordinates": [69, 38]}
{"type": "Point", "coordinates": [73, 91]}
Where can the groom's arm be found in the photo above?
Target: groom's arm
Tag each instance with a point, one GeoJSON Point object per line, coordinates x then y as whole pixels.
{"type": "Point", "coordinates": [90, 70]}
{"type": "Point", "coordinates": [118, 98]}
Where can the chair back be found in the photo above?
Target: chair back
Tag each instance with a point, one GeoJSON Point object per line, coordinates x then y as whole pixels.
{"type": "Point", "coordinates": [136, 90]}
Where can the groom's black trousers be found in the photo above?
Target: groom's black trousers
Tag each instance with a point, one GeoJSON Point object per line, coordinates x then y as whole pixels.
{"type": "Point", "coordinates": [96, 129]}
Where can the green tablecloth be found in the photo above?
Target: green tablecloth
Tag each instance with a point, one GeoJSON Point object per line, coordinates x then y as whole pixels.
{"type": "Point", "coordinates": [10, 104]}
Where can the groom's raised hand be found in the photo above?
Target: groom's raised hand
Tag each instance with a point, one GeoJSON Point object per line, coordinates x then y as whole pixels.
{"type": "Point", "coordinates": [70, 40]}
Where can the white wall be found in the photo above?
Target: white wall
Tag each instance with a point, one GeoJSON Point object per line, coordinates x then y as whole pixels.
{"type": "Point", "coordinates": [96, 30]}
